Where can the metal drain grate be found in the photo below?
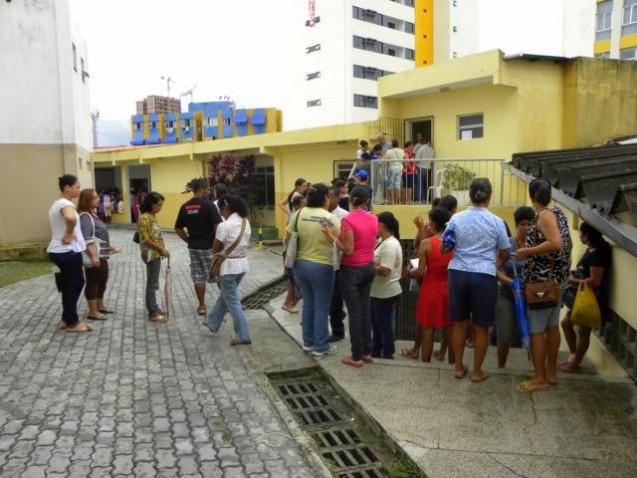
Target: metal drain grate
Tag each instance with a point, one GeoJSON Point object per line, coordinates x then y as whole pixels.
{"type": "Point", "coordinates": [338, 444]}
{"type": "Point", "coordinates": [263, 296]}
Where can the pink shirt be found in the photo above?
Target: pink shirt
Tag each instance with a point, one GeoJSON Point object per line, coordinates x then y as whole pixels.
{"type": "Point", "coordinates": [365, 227]}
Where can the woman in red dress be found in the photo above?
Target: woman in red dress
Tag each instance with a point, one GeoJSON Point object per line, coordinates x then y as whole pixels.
{"type": "Point", "coordinates": [432, 311]}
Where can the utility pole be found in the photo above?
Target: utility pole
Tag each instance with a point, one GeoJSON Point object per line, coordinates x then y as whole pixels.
{"type": "Point", "coordinates": [94, 119]}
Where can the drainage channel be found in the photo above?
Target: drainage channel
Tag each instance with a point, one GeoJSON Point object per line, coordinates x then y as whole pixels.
{"type": "Point", "coordinates": [257, 300]}
{"type": "Point", "coordinates": [341, 437]}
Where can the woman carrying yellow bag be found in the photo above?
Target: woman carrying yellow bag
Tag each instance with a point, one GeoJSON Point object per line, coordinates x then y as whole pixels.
{"type": "Point", "coordinates": [590, 304]}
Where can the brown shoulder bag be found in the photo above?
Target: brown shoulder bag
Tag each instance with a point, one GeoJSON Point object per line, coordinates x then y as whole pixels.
{"type": "Point", "coordinates": [543, 295]}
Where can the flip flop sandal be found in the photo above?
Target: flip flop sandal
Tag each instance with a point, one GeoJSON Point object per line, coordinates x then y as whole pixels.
{"type": "Point", "coordinates": [290, 310]}
{"type": "Point", "coordinates": [481, 379]}
{"type": "Point", "coordinates": [410, 354]}
{"type": "Point", "coordinates": [234, 342]}
{"type": "Point", "coordinates": [201, 311]}
{"type": "Point", "coordinates": [94, 317]}
{"type": "Point", "coordinates": [62, 326]}
{"type": "Point", "coordinates": [76, 331]}
{"type": "Point", "coordinates": [460, 377]}
{"type": "Point", "coordinates": [106, 311]}
{"type": "Point", "coordinates": [529, 387]}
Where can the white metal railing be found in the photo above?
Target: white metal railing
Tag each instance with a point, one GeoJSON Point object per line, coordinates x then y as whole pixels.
{"type": "Point", "coordinates": [410, 182]}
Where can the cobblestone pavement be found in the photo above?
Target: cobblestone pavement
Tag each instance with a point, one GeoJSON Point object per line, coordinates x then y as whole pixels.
{"type": "Point", "coordinates": [134, 398]}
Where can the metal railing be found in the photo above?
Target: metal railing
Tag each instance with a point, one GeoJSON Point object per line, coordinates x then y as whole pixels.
{"type": "Point", "coordinates": [412, 182]}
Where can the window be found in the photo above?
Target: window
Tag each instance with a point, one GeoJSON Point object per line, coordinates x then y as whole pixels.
{"type": "Point", "coordinates": [185, 123]}
{"type": "Point", "coordinates": [227, 121]}
{"type": "Point", "coordinates": [342, 168]}
{"type": "Point", "coordinates": [370, 44]}
{"type": "Point", "coordinates": [628, 54]}
{"type": "Point", "coordinates": [74, 57]}
{"type": "Point", "coordinates": [79, 162]}
{"type": "Point", "coordinates": [409, 54]}
{"type": "Point", "coordinates": [409, 27]}
{"type": "Point", "coordinates": [603, 55]}
{"type": "Point", "coordinates": [629, 22]}
{"type": "Point", "coordinates": [153, 125]}
{"type": "Point", "coordinates": [363, 101]}
{"type": "Point", "coordinates": [603, 20]}
{"type": "Point", "coordinates": [470, 126]}
{"type": "Point", "coordinates": [372, 16]}
{"type": "Point", "coordinates": [313, 48]}
{"type": "Point", "coordinates": [313, 76]}
{"type": "Point", "coordinates": [213, 122]}
{"type": "Point", "coordinates": [313, 103]}
{"type": "Point", "coordinates": [391, 52]}
{"type": "Point", "coordinates": [369, 72]}
{"type": "Point", "coordinates": [83, 70]}
{"type": "Point", "coordinates": [391, 25]}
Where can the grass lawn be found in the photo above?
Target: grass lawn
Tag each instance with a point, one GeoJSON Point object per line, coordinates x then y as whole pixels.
{"type": "Point", "coordinates": [15, 271]}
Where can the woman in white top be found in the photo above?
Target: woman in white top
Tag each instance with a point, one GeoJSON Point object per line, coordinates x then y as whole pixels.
{"type": "Point", "coordinates": [386, 290]}
{"type": "Point", "coordinates": [234, 231]}
{"type": "Point", "coordinates": [65, 250]}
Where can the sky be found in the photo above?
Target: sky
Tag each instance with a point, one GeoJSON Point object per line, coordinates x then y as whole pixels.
{"type": "Point", "coordinates": [222, 47]}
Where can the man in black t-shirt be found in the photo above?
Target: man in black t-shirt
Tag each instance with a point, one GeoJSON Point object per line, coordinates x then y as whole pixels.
{"type": "Point", "coordinates": [196, 225]}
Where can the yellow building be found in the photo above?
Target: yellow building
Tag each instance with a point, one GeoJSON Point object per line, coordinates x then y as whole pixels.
{"type": "Point", "coordinates": [616, 29]}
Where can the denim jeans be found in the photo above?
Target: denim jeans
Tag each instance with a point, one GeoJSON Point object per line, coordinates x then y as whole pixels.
{"type": "Point", "coordinates": [229, 301]}
{"type": "Point", "coordinates": [317, 282]}
{"type": "Point", "coordinates": [153, 269]}
{"type": "Point", "coordinates": [355, 283]}
{"type": "Point", "coordinates": [383, 313]}
{"type": "Point", "coordinates": [71, 283]}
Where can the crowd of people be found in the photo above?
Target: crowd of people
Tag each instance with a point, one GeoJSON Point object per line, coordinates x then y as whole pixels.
{"type": "Point", "coordinates": [349, 262]}
{"type": "Point", "coordinates": [110, 201]}
{"type": "Point", "coordinates": [407, 176]}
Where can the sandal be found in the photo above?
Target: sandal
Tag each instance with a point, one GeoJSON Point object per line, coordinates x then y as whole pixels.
{"type": "Point", "coordinates": [235, 342]}
{"type": "Point", "coordinates": [158, 317]}
{"type": "Point", "coordinates": [368, 359]}
{"type": "Point", "coordinates": [568, 367]}
{"type": "Point", "coordinates": [530, 387]}
{"type": "Point", "coordinates": [105, 311]}
{"type": "Point", "coordinates": [410, 354]}
{"type": "Point", "coordinates": [352, 363]}
{"type": "Point", "coordinates": [481, 378]}
{"type": "Point", "coordinates": [201, 310]}
{"type": "Point", "coordinates": [80, 328]}
{"type": "Point", "coordinates": [62, 326]}
{"type": "Point", "coordinates": [465, 372]}
{"type": "Point", "coordinates": [96, 317]}
{"type": "Point", "coordinates": [290, 310]}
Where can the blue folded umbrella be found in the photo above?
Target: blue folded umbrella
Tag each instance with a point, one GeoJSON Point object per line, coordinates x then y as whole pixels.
{"type": "Point", "coordinates": [520, 308]}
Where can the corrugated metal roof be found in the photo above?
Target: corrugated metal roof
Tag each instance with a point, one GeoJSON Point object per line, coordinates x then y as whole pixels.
{"type": "Point", "coordinates": [598, 183]}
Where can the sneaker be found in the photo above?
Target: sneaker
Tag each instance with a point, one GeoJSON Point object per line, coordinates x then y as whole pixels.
{"type": "Point", "coordinates": [307, 349]}
{"type": "Point", "coordinates": [330, 351]}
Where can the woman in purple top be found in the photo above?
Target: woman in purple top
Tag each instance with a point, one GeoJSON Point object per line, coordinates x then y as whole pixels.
{"type": "Point", "coordinates": [357, 240]}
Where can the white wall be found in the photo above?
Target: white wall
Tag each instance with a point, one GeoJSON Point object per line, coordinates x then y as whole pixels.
{"type": "Point", "coordinates": [543, 27]}
{"type": "Point", "coordinates": [337, 85]}
{"type": "Point", "coordinates": [43, 100]}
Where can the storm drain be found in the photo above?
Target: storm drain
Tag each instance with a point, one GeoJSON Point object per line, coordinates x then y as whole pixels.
{"type": "Point", "coordinates": [330, 423]}
{"type": "Point", "coordinates": [263, 296]}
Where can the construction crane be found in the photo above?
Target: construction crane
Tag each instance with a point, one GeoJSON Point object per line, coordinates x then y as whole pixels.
{"type": "Point", "coordinates": [94, 119]}
{"type": "Point", "coordinates": [190, 92]}
{"type": "Point", "coordinates": [168, 80]}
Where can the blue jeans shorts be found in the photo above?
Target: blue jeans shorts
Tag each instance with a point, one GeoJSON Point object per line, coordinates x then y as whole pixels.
{"type": "Point", "coordinates": [472, 296]}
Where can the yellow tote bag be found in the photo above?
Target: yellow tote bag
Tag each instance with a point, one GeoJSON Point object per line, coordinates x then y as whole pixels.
{"type": "Point", "coordinates": [586, 312]}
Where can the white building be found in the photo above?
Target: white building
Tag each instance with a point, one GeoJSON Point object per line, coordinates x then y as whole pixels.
{"type": "Point", "coordinates": [542, 27]}
{"type": "Point", "coordinates": [45, 125]}
{"type": "Point", "coordinates": [344, 46]}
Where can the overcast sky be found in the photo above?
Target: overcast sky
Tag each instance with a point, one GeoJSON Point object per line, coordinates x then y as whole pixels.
{"type": "Point", "coordinates": [223, 47]}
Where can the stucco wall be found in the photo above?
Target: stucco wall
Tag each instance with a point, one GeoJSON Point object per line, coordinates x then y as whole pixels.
{"type": "Point", "coordinates": [600, 101]}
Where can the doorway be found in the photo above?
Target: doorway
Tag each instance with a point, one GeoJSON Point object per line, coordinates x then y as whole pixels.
{"type": "Point", "coordinates": [139, 186]}
{"type": "Point", "coordinates": [420, 125]}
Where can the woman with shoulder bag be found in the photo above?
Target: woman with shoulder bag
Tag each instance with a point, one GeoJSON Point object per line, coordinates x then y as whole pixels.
{"type": "Point", "coordinates": [97, 254]}
{"type": "Point", "coordinates": [548, 258]}
{"type": "Point", "coordinates": [231, 239]}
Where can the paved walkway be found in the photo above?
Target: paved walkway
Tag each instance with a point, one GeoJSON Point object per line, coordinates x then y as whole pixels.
{"type": "Point", "coordinates": [134, 398]}
{"type": "Point", "coordinates": [586, 426]}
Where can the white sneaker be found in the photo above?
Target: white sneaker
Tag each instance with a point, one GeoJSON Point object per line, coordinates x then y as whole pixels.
{"type": "Point", "coordinates": [307, 349]}
{"type": "Point", "coordinates": [330, 351]}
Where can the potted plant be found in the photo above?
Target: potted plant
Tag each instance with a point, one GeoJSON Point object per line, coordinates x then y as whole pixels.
{"type": "Point", "coordinates": [456, 180]}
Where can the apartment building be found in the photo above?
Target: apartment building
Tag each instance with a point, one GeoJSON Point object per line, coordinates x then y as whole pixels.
{"type": "Point", "coordinates": [448, 29]}
{"type": "Point", "coordinates": [45, 126]}
{"type": "Point", "coordinates": [344, 47]}
{"type": "Point", "coordinates": [616, 29]}
{"type": "Point", "coordinates": [158, 104]}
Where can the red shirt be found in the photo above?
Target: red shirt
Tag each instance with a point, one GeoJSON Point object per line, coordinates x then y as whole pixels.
{"type": "Point", "coordinates": [409, 167]}
{"type": "Point", "coordinates": [364, 225]}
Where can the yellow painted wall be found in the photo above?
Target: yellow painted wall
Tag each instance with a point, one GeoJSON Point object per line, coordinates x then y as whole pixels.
{"type": "Point", "coordinates": [627, 41]}
{"type": "Point", "coordinates": [314, 163]}
{"type": "Point", "coordinates": [601, 47]}
{"type": "Point", "coordinates": [600, 101]}
{"type": "Point", "coordinates": [169, 177]}
{"type": "Point", "coordinates": [424, 32]}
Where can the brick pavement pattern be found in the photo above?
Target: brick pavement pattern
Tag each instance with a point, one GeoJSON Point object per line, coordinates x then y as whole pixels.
{"type": "Point", "coordinates": [134, 398]}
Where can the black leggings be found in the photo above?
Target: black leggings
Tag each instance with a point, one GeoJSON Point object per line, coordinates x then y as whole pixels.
{"type": "Point", "coordinates": [96, 279]}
